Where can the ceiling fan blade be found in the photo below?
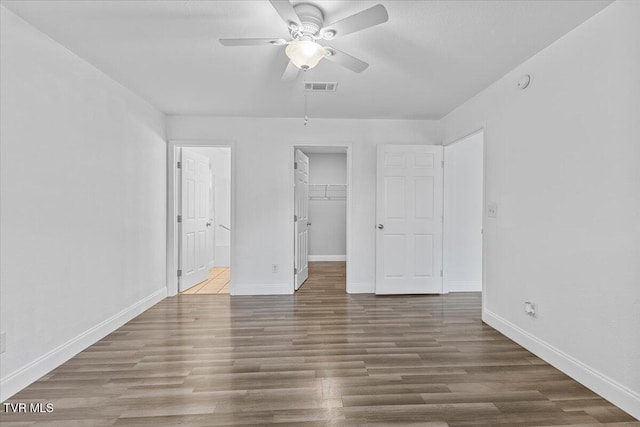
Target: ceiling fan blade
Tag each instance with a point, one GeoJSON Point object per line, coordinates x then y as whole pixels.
{"type": "Point", "coordinates": [346, 60]}
{"type": "Point", "coordinates": [290, 73]}
{"type": "Point", "coordinates": [252, 42]}
{"type": "Point", "coordinates": [367, 18]}
{"type": "Point", "coordinates": [286, 12]}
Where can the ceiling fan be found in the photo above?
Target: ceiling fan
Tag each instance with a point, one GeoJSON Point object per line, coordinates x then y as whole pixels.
{"type": "Point", "coordinates": [306, 27]}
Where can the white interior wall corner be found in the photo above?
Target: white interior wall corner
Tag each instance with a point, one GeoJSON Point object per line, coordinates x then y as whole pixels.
{"type": "Point", "coordinates": [562, 166]}
{"type": "Point", "coordinates": [93, 158]}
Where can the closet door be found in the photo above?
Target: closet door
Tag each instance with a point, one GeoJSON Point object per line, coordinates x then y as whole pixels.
{"type": "Point", "coordinates": [301, 219]}
{"type": "Point", "coordinates": [409, 219]}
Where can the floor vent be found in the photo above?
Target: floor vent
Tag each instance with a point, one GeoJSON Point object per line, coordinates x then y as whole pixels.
{"type": "Point", "coordinates": [320, 86]}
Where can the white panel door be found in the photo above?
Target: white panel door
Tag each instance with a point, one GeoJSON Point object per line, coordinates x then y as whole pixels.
{"type": "Point", "coordinates": [301, 219]}
{"type": "Point", "coordinates": [409, 219]}
{"type": "Point", "coordinates": [194, 211]}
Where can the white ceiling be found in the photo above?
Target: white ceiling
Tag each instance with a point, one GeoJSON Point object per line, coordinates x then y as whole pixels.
{"type": "Point", "coordinates": [427, 59]}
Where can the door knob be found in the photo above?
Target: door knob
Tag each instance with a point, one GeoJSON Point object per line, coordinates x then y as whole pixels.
{"type": "Point", "coordinates": [308, 223]}
{"type": "Point", "coordinates": [380, 226]}
{"type": "Point", "coordinates": [208, 224]}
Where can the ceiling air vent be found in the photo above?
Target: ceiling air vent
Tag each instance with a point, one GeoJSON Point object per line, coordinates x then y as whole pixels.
{"type": "Point", "coordinates": [320, 86]}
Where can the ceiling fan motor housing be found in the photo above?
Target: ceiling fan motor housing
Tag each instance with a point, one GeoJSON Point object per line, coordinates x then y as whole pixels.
{"type": "Point", "coordinates": [312, 21]}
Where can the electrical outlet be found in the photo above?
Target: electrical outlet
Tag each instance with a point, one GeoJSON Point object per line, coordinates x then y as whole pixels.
{"type": "Point", "coordinates": [3, 342]}
{"type": "Point", "coordinates": [492, 210]}
{"type": "Point", "coordinates": [274, 268]}
{"type": "Point", "coordinates": [530, 308]}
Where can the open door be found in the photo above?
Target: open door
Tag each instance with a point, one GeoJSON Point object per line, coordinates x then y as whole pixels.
{"type": "Point", "coordinates": [409, 219]}
{"type": "Point", "coordinates": [301, 219]}
{"type": "Point", "coordinates": [194, 218]}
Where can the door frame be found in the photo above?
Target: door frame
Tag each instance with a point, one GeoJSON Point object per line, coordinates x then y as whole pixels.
{"type": "Point", "coordinates": [173, 200]}
{"type": "Point", "coordinates": [482, 129]}
{"type": "Point", "coordinates": [291, 210]}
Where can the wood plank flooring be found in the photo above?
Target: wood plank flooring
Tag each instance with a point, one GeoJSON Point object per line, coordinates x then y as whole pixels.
{"type": "Point", "coordinates": [318, 358]}
{"type": "Point", "coordinates": [216, 283]}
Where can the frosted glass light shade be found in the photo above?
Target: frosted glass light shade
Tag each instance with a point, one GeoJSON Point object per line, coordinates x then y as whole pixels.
{"type": "Point", "coordinates": [304, 54]}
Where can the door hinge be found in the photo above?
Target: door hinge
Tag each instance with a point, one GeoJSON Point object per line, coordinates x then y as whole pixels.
{"type": "Point", "coordinates": [441, 273]}
{"type": "Point", "coordinates": [295, 218]}
{"type": "Point", "coordinates": [295, 271]}
{"type": "Point", "coordinates": [179, 273]}
{"type": "Point", "coordinates": [179, 165]}
{"type": "Point", "coordinates": [441, 163]}
{"type": "Point", "coordinates": [179, 218]}
{"type": "Point", "coordinates": [295, 165]}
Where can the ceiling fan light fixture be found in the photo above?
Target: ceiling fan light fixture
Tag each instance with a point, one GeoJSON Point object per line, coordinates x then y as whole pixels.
{"type": "Point", "coordinates": [305, 54]}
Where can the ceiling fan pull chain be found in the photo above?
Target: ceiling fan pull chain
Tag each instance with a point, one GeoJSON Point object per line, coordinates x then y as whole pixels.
{"type": "Point", "coordinates": [306, 117]}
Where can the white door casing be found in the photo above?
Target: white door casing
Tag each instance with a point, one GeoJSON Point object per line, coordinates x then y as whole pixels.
{"type": "Point", "coordinates": [409, 209]}
{"type": "Point", "coordinates": [301, 219]}
{"type": "Point", "coordinates": [194, 212]}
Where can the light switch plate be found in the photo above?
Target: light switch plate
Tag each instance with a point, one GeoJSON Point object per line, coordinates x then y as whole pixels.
{"type": "Point", "coordinates": [492, 210]}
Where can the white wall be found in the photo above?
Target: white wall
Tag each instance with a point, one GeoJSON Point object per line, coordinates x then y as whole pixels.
{"type": "Point", "coordinates": [328, 231]}
{"type": "Point", "coordinates": [262, 173]}
{"type": "Point", "coordinates": [563, 165]}
{"type": "Point", "coordinates": [221, 167]}
{"type": "Point", "coordinates": [462, 242]}
{"type": "Point", "coordinates": [83, 201]}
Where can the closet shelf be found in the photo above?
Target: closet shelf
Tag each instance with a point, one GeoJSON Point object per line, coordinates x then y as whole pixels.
{"type": "Point", "coordinates": [327, 191]}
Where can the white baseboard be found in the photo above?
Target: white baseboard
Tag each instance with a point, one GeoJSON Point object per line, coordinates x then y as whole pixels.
{"type": "Point", "coordinates": [327, 258]}
{"type": "Point", "coordinates": [31, 372]}
{"type": "Point", "coordinates": [613, 391]}
{"type": "Point", "coordinates": [462, 286]}
{"type": "Point", "coordinates": [361, 288]}
{"type": "Point", "coordinates": [262, 289]}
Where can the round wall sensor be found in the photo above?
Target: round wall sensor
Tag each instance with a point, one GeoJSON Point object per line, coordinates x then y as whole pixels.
{"type": "Point", "coordinates": [524, 81]}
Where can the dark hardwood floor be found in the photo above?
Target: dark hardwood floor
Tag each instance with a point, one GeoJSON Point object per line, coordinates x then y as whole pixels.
{"type": "Point", "coordinates": [318, 358]}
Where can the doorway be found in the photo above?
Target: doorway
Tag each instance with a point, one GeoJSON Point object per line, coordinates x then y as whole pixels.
{"type": "Point", "coordinates": [200, 212]}
{"type": "Point", "coordinates": [463, 214]}
{"type": "Point", "coordinates": [320, 212]}
{"type": "Point", "coordinates": [430, 217]}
